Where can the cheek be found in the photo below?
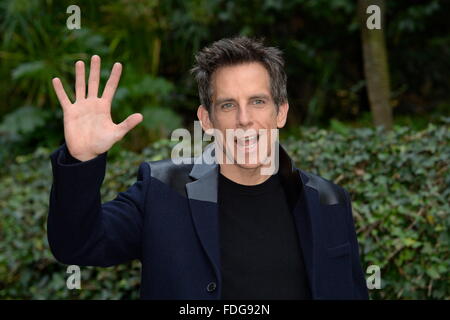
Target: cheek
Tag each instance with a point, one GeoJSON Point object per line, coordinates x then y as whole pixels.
{"type": "Point", "coordinates": [272, 120]}
{"type": "Point", "coordinates": [224, 121]}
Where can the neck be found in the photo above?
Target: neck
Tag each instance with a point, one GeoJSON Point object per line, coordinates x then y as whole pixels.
{"type": "Point", "coordinates": [241, 175]}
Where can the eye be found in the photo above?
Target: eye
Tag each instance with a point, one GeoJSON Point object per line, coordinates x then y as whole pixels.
{"type": "Point", "coordinates": [259, 101]}
{"type": "Point", "coordinates": [227, 106]}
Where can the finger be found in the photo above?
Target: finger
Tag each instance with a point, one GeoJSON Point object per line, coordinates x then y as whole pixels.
{"type": "Point", "coordinates": [128, 124]}
{"type": "Point", "coordinates": [80, 81]}
{"type": "Point", "coordinates": [94, 76]}
{"type": "Point", "coordinates": [113, 81]}
{"type": "Point", "coordinates": [60, 93]}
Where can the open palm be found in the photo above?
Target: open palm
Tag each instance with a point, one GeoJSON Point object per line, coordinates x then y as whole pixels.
{"type": "Point", "coordinates": [88, 126]}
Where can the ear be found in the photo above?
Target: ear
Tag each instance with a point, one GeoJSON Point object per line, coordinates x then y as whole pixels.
{"type": "Point", "coordinates": [282, 114]}
{"type": "Point", "coordinates": [203, 116]}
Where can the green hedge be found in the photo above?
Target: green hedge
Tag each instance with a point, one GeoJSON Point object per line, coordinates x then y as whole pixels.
{"type": "Point", "coordinates": [399, 183]}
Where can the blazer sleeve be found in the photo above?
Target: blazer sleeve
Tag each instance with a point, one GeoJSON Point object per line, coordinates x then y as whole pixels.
{"type": "Point", "coordinates": [83, 231]}
{"type": "Point", "coordinates": [359, 281]}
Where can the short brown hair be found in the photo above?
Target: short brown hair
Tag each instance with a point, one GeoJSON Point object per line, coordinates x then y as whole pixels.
{"type": "Point", "coordinates": [237, 50]}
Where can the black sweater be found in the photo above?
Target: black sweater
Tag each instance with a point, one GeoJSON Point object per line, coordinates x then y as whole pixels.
{"type": "Point", "coordinates": [261, 256]}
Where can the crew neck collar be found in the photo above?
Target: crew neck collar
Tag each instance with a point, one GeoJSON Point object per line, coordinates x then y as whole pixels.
{"type": "Point", "coordinates": [269, 185]}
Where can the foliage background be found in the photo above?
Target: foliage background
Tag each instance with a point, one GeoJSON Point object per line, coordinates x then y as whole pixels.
{"type": "Point", "coordinates": [399, 181]}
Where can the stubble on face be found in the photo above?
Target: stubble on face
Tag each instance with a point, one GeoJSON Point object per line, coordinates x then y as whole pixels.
{"type": "Point", "coordinates": [243, 104]}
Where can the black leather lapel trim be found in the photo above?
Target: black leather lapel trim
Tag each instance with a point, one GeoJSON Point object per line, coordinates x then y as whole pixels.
{"type": "Point", "coordinates": [290, 178]}
{"type": "Point", "coordinates": [205, 174]}
{"type": "Point", "coordinates": [193, 178]}
{"type": "Point", "coordinates": [205, 188]}
{"type": "Point", "coordinates": [176, 176]}
{"type": "Point", "coordinates": [329, 193]}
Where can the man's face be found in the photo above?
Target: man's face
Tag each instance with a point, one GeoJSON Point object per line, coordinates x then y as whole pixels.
{"type": "Point", "coordinates": [242, 100]}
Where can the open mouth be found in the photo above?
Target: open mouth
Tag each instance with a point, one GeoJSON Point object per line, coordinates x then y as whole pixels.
{"type": "Point", "coordinates": [247, 141]}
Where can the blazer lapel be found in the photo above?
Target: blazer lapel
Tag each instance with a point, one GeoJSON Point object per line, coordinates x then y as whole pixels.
{"type": "Point", "coordinates": [304, 199]}
{"type": "Point", "coordinates": [202, 195]}
{"type": "Point", "coordinates": [306, 218]}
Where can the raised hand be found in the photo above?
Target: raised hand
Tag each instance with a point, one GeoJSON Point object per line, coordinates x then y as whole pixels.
{"type": "Point", "coordinates": [88, 126]}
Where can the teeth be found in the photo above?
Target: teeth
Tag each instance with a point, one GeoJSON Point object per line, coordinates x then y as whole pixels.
{"type": "Point", "coordinates": [249, 140]}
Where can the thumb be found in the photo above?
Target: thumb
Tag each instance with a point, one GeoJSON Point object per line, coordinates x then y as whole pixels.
{"type": "Point", "coordinates": [128, 124]}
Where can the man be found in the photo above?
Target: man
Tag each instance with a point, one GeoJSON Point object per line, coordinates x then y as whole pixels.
{"type": "Point", "coordinates": [223, 230]}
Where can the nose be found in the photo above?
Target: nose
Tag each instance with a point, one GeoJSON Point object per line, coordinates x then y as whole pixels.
{"type": "Point", "coordinates": [244, 117]}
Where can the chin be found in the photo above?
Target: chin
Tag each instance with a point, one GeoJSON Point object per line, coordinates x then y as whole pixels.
{"type": "Point", "coordinates": [249, 165]}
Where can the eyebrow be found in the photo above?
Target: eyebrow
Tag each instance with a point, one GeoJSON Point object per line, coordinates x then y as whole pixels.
{"type": "Point", "coordinates": [257, 96]}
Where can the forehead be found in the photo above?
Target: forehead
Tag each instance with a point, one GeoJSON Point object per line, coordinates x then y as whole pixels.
{"type": "Point", "coordinates": [240, 80]}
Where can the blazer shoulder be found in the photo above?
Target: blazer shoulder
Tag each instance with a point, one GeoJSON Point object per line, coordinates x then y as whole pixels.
{"type": "Point", "coordinates": [171, 174]}
{"type": "Point", "coordinates": [329, 192]}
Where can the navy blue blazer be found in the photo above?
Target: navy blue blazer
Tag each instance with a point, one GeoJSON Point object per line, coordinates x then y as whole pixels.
{"type": "Point", "coordinates": [168, 219]}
